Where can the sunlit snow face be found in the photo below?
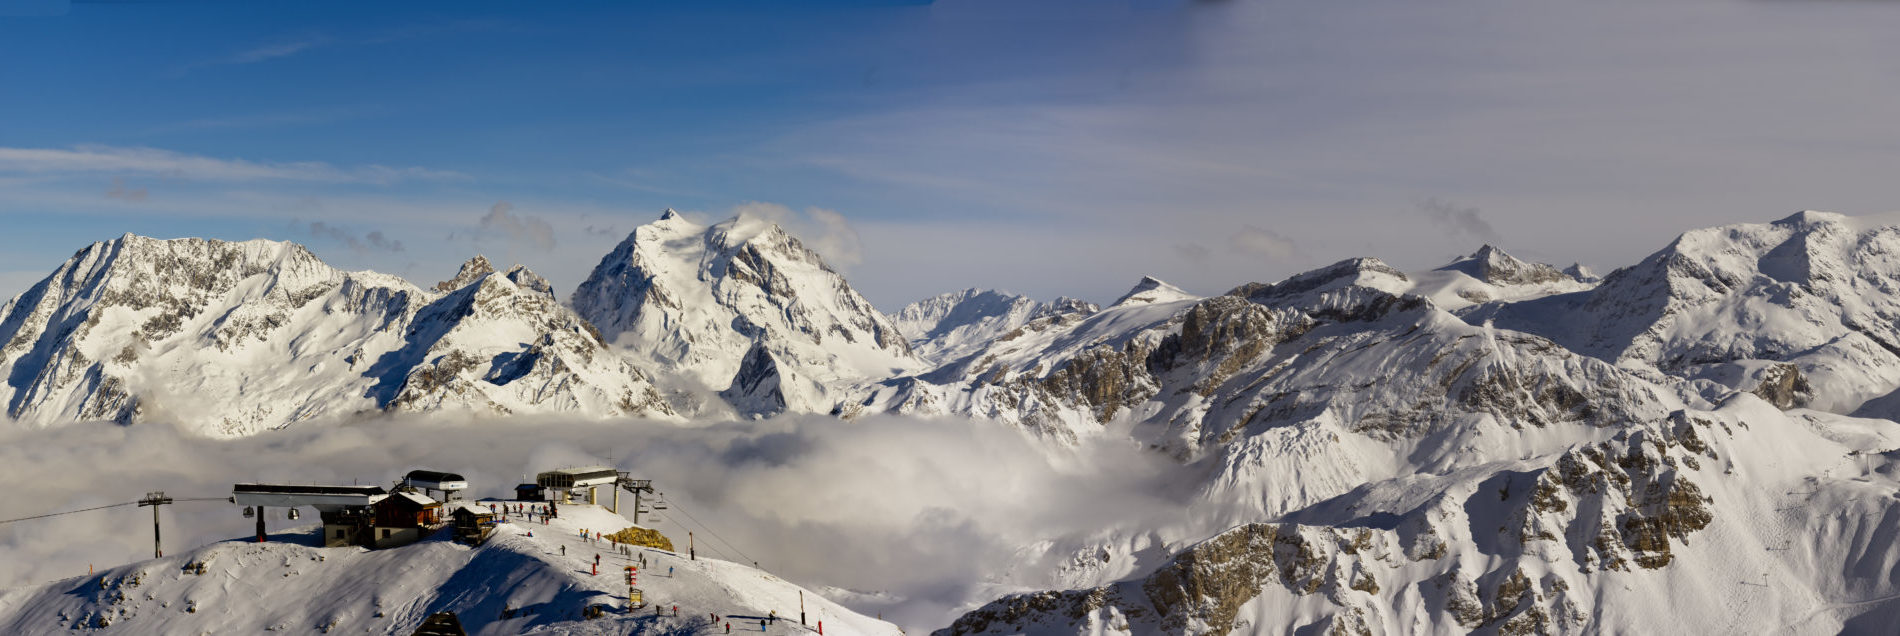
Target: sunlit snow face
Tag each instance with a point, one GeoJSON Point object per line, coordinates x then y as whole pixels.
{"type": "Point", "coordinates": [918, 515]}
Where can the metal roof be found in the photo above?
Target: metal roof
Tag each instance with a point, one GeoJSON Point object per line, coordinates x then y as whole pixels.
{"type": "Point", "coordinates": [434, 475]}
{"type": "Point", "coordinates": [585, 471]}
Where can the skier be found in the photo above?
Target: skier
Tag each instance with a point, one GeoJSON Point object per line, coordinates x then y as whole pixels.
{"type": "Point", "coordinates": [761, 624]}
{"type": "Point", "coordinates": [728, 628]}
{"type": "Point", "coordinates": [669, 571]}
{"type": "Point", "coordinates": [563, 546]}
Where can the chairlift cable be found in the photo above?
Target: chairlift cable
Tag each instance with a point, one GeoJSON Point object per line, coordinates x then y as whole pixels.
{"type": "Point", "coordinates": [129, 503]}
{"type": "Point", "coordinates": [709, 530]}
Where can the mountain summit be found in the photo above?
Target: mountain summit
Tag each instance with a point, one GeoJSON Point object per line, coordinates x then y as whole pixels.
{"type": "Point", "coordinates": [698, 300]}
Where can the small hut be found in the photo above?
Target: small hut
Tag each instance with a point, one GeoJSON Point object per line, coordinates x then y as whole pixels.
{"type": "Point", "coordinates": [403, 518]}
{"type": "Point", "coordinates": [473, 525]}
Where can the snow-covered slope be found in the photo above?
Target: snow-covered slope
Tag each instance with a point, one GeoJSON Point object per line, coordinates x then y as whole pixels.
{"type": "Point", "coordinates": [1491, 275]}
{"type": "Point", "coordinates": [1816, 290]}
{"type": "Point", "coordinates": [741, 307]}
{"type": "Point", "coordinates": [948, 326]}
{"type": "Point", "coordinates": [289, 585]}
{"type": "Point", "coordinates": [1740, 519]}
{"type": "Point", "coordinates": [241, 337]}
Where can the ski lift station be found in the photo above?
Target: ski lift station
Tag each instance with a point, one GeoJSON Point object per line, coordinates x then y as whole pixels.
{"type": "Point", "coordinates": [566, 481]}
{"type": "Point", "coordinates": [449, 484]}
{"type": "Point", "coordinates": [375, 517]}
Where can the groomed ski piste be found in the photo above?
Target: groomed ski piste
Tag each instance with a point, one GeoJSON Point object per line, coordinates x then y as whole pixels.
{"type": "Point", "coordinates": [287, 585]}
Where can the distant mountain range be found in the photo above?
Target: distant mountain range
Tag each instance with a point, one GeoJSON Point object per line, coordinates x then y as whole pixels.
{"type": "Point", "coordinates": [1495, 445]}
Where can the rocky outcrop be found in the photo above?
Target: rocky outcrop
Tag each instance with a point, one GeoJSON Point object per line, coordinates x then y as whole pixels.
{"type": "Point", "coordinates": [1783, 386]}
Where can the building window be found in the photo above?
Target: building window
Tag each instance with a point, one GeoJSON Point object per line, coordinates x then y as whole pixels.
{"type": "Point", "coordinates": [385, 533]}
{"type": "Point", "coordinates": [339, 534]}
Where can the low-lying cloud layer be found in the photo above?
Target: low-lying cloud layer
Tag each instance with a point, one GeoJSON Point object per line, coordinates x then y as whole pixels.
{"type": "Point", "coordinates": [916, 514]}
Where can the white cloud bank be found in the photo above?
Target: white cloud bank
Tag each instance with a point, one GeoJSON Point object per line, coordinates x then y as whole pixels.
{"type": "Point", "coordinates": [921, 511]}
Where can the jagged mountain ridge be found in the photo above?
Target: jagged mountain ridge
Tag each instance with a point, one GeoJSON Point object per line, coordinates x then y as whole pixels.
{"type": "Point", "coordinates": [1355, 396]}
{"type": "Point", "coordinates": [1816, 292]}
{"type": "Point", "coordinates": [953, 325]}
{"type": "Point", "coordinates": [1373, 416]}
{"type": "Point", "coordinates": [235, 338]}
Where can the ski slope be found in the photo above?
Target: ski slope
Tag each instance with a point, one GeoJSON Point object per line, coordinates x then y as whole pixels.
{"type": "Point", "coordinates": [289, 585]}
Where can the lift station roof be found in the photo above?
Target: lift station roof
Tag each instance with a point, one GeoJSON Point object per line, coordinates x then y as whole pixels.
{"type": "Point", "coordinates": [436, 480]}
{"type": "Point", "coordinates": [578, 477]}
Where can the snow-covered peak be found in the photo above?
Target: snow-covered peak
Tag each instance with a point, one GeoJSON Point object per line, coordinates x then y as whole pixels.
{"type": "Point", "coordinates": [472, 270]}
{"type": "Point", "coordinates": [1303, 288]}
{"type": "Point", "coordinates": [1816, 289]}
{"type": "Point", "coordinates": [521, 276]}
{"type": "Point", "coordinates": [1808, 219]}
{"type": "Point", "coordinates": [695, 299]}
{"type": "Point", "coordinates": [1494, 266]}
{"type": "Point", "coordinates": [234, 338]}
{"type": "Point", "coordinates": [1582, 273]}
{"type": "Point", "coordinates": [949, 326]}
{"type": "Point", "coordinates": [1150, 290]}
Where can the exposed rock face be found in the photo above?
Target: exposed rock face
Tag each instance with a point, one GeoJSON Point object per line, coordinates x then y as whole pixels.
{"type": "Point", "coordinates": [241, 337]}
{"type": "Point", "coordinates": [1784, 386]}
{"type": "Point", "coordinates": [694, 300]}
{"type": "Point", "coordinates": [648, 537]}
{"type": "Point", "coordinates": [471, 271]}
{"type": "Point", "coordinates": [758, 389]}
{"type": "Point", "coordinates": [1619, 505]}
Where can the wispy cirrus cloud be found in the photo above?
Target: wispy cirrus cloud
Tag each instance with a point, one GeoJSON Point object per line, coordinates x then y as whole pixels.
{"type": "Point", "coordinates": [280, 49]}
{"type": "Point", "coordinates": [170, 164]}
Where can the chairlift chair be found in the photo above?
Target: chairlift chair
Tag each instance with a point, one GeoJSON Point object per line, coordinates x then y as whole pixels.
{"type": "Point", "coordinates": [293, 514]}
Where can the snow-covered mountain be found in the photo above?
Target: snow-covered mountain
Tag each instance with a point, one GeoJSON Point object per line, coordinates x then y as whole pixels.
{"type": "Point", "coordinates": [1490, 275]}
{"type": "Point", "coordinates": [953, 325]}
{"type": "Point", "coordinates": [741, 307]}
{"type": "Point", "coordinates": [235, 338]}
{"type": "Point", "coordinates": [1493, 445]}
{"type": "Point", "coordinates": [1811, 300]}
{"type": "Point", "coordinates": [526, 578]}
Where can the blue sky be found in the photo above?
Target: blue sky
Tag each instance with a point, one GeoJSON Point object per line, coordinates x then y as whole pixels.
{"type": "Point", "coordinates": [1045, 148]}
